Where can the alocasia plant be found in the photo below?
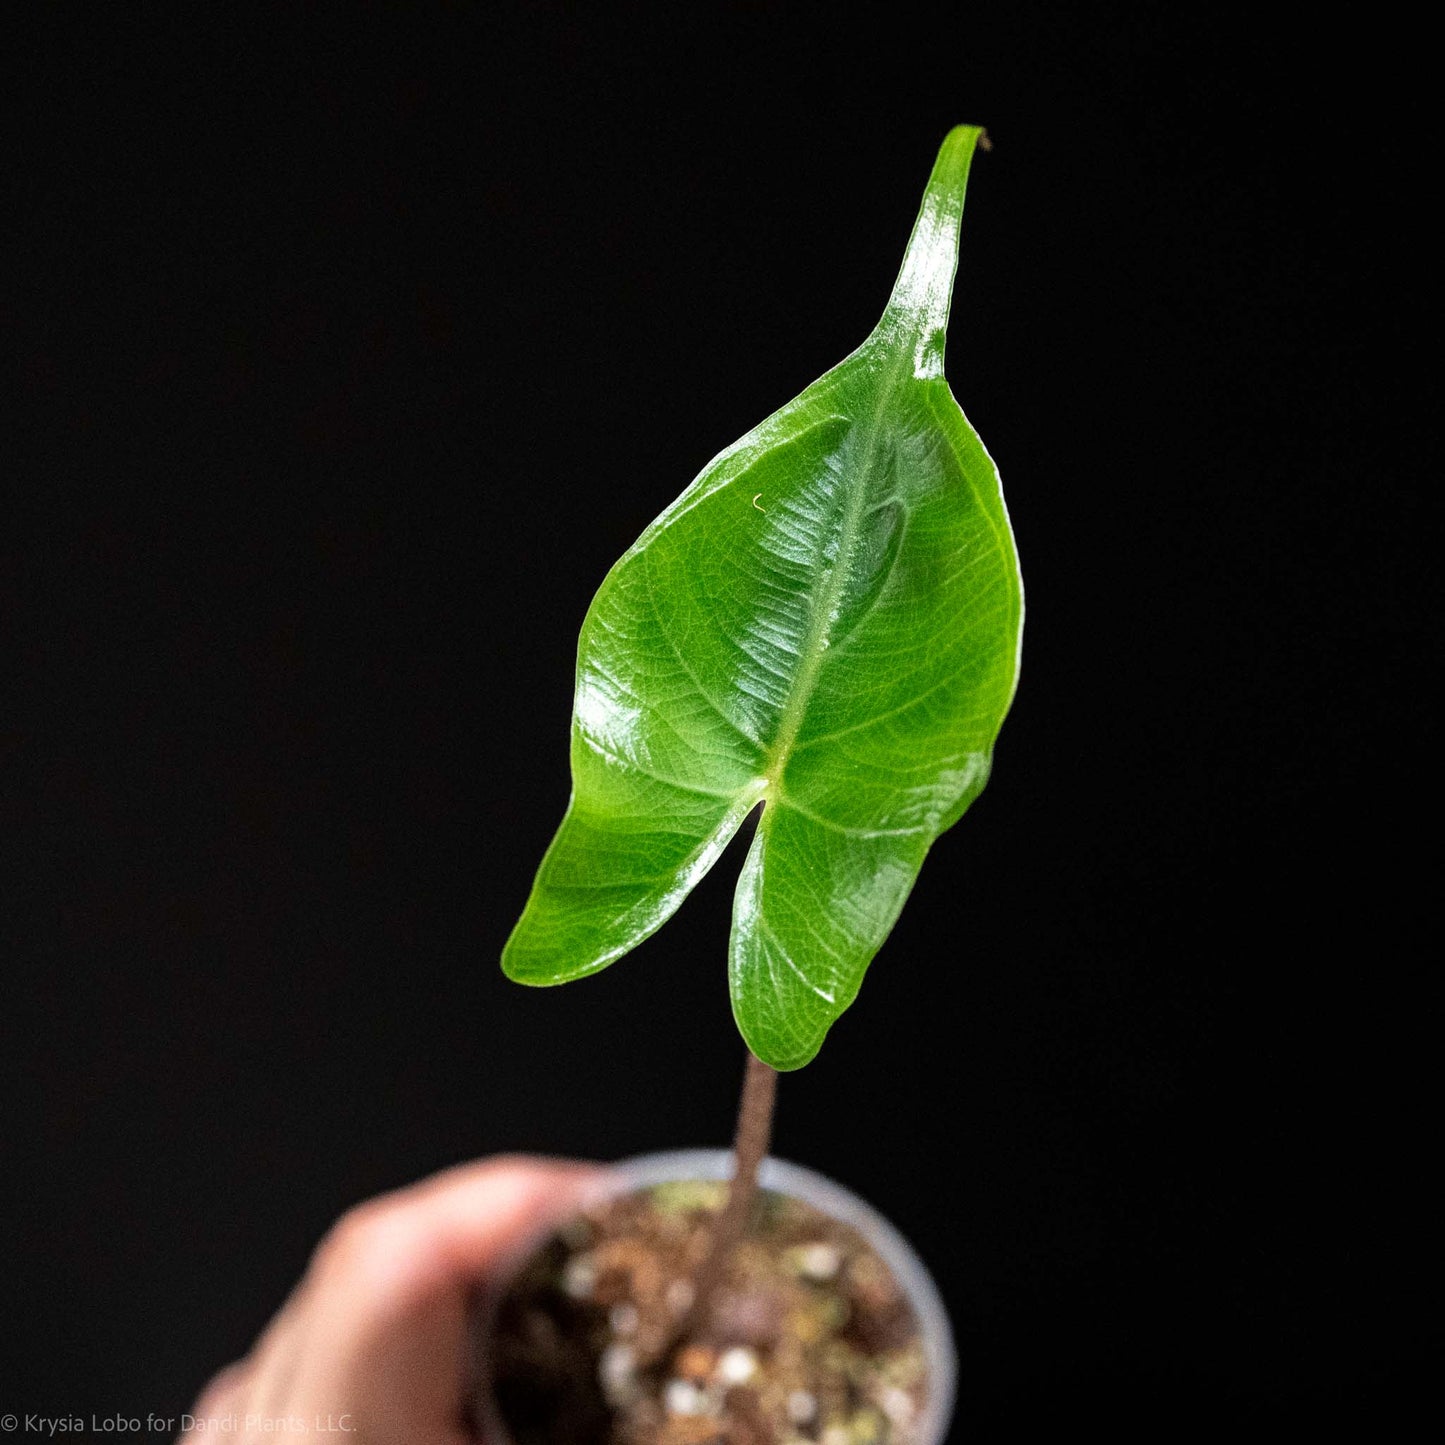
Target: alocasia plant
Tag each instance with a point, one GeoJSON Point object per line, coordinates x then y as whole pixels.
{"type": "Point", "coordinates": [826, 623]}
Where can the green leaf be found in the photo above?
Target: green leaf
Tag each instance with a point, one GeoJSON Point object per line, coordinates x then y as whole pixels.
{"type": "Point", "coordinates": [826, 622]}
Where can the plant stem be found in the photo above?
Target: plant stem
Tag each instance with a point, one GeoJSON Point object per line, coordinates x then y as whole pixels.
{"type": "Point", "coordinates": [750, 1147]}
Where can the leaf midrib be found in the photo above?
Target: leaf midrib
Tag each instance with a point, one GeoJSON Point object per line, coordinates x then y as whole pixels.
{"type": "Point", "coordinates": [825, 600]}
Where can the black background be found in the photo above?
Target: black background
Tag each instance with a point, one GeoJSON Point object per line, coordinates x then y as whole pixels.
{"type": "Point", "coordinates": [353, 348]}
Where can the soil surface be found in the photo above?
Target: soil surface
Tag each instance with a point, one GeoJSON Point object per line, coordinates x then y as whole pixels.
{"type": "Point", "coordinates": [808, 1338]}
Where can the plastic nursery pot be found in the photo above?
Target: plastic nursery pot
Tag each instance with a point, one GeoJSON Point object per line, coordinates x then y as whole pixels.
{"type": "Point", "coordinates": [930, 1425]}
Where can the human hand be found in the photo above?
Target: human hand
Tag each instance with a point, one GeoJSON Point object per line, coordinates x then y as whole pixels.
{"type": "Point", "coordinates": [375, 1340]}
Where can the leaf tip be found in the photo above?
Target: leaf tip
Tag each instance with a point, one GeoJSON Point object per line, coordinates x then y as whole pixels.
{"type": "Point", "coordinates": [524, 964]}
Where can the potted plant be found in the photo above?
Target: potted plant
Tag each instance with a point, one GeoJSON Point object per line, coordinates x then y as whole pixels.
{"type": "Point", "coordinates": [821, 634]}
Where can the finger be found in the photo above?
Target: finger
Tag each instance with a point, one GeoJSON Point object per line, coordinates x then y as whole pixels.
{"type": "Point", "coordinates": [479, 1217]}
{"type": "Point", "coordinates": [451, 1230]}
{"type": "Point", "coordinates": [382, 1317]}
{"type": "Point", "coordinates": [218, 1396]}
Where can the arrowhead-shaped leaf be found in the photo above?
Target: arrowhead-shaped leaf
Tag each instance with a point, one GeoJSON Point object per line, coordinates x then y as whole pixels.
{"type": "Point", "coordinates": [826, 622]}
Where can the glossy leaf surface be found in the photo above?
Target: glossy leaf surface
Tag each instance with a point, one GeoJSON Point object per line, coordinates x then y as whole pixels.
{"type": "Point", "coordinates": [826, 622]}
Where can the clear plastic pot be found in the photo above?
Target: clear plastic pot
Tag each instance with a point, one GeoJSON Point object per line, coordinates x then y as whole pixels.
{"type": "Point", "coordinates": [831, 1199]}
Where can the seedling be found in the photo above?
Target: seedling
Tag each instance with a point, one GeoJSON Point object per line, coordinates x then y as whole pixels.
{"type": "Point", "coordinates": [825, 627]}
